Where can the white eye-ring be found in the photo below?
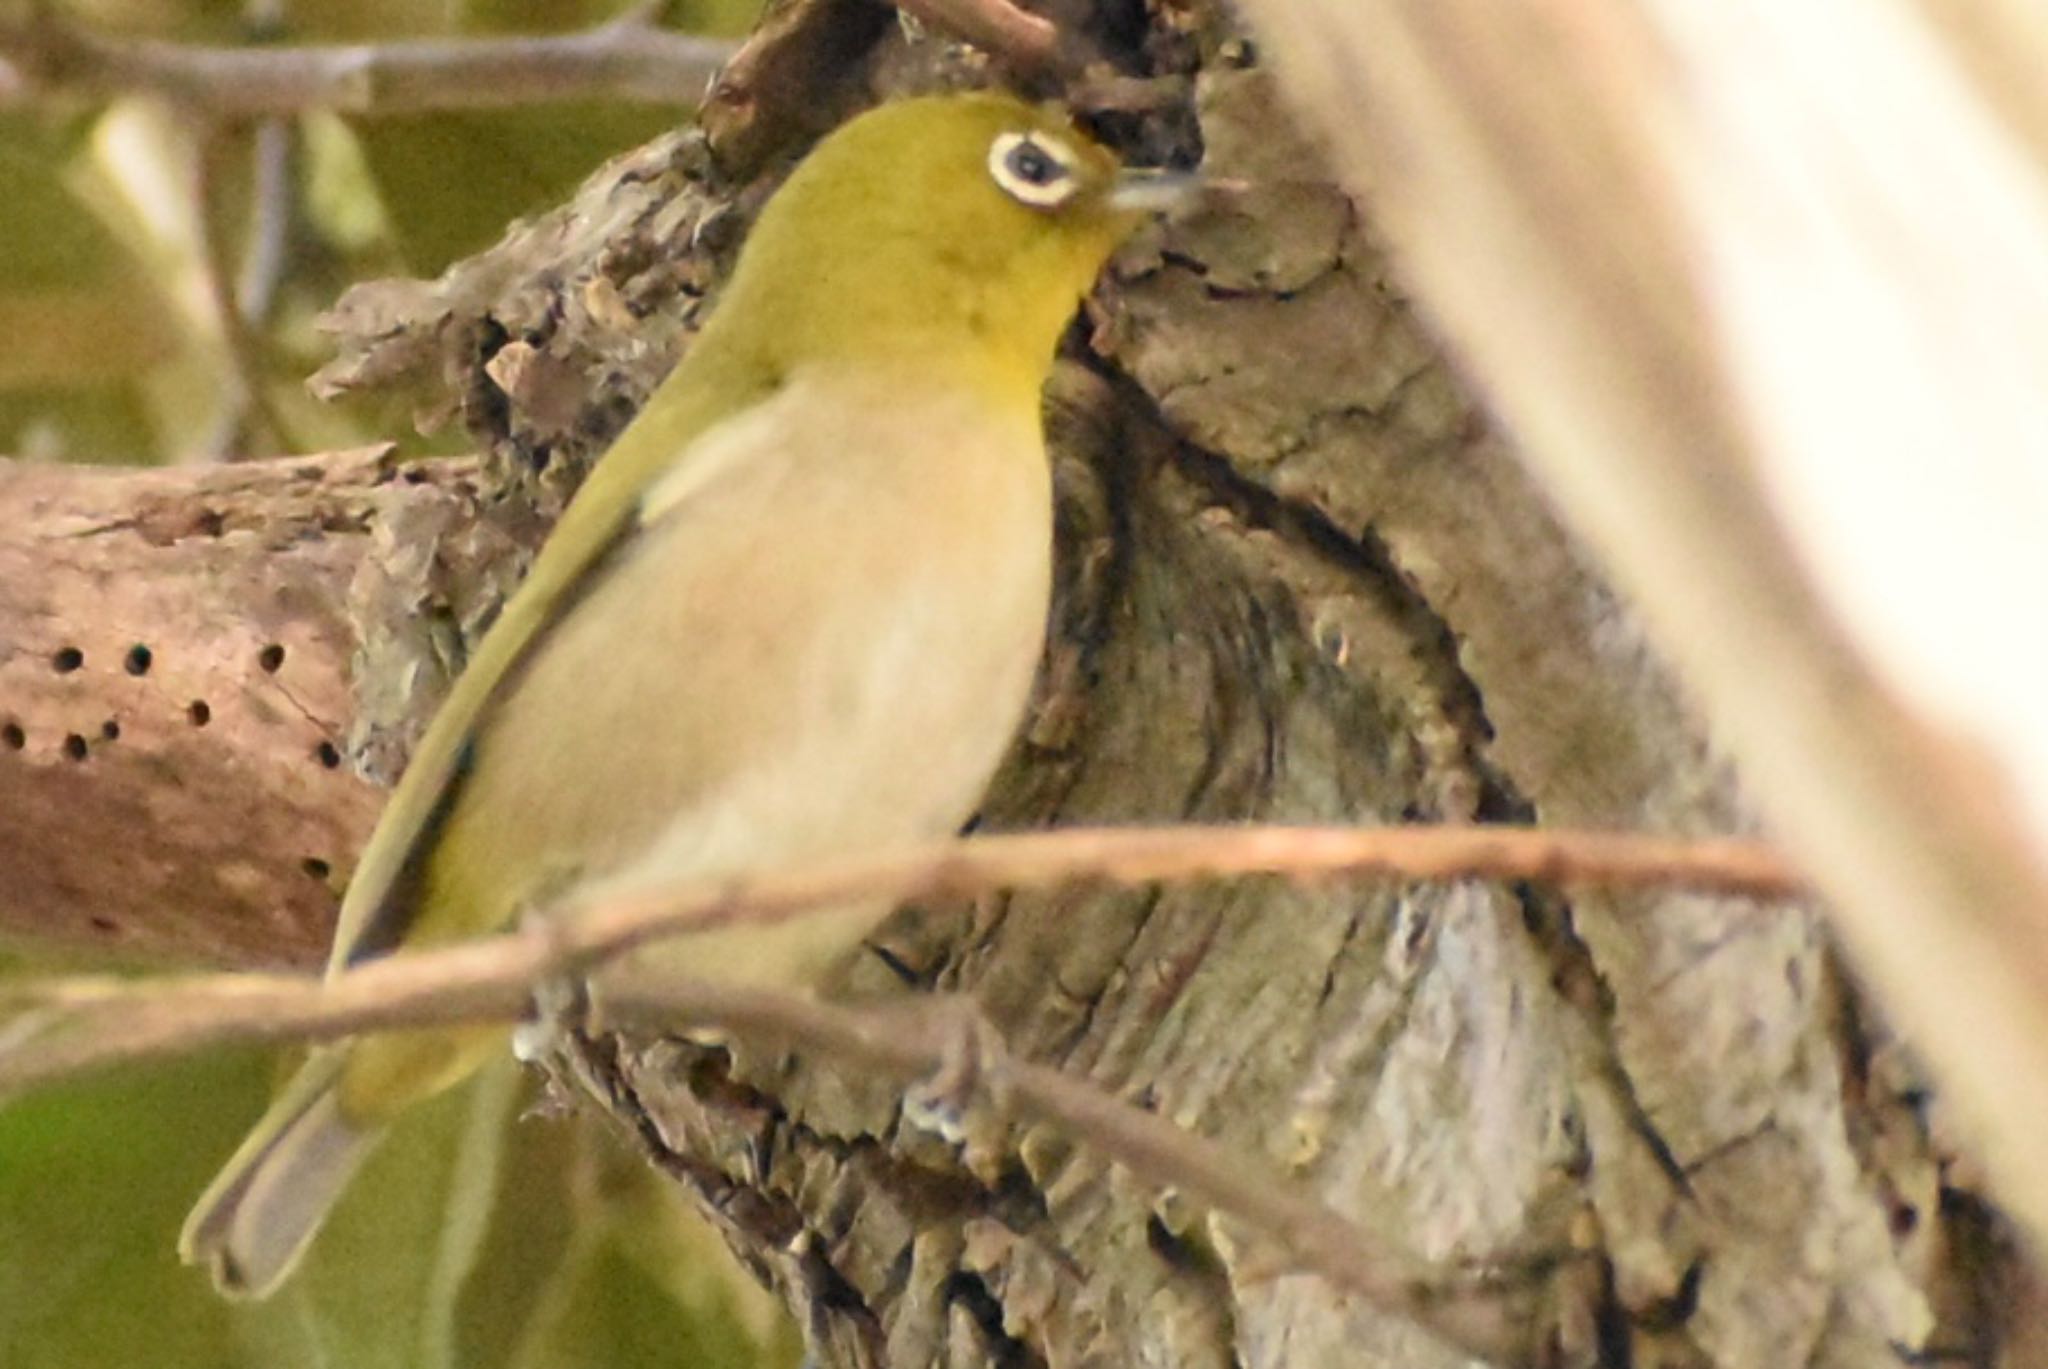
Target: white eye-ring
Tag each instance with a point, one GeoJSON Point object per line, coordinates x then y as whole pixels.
{"type": "Point", "coordinates": [1034, 169]}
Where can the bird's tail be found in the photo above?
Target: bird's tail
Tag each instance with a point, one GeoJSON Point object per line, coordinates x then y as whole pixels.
{"type": "Point", "coordinates": [258, 1216]}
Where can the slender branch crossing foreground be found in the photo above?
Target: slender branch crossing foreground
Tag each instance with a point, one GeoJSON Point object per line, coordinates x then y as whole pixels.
{"type": "Point", "coordinates": [72, 1025]}
{"type": "Point", "coordinates": [63, 1026]}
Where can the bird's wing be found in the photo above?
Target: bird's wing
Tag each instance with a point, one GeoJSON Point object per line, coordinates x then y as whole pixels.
{"type": "Point", "coordinates": [377, 909]}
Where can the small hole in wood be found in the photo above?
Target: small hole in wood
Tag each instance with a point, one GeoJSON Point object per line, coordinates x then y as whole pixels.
{"type": "Point", "coordinates": [327, 755]}
{"type": "Point", "coordinates": [12, 737]}
{"type": "Point", "coordinates": [75, 748]}
{"type": "Point", "coordinates": [315, 867]}
{"type": "Point", "coordinates": [138, 660]}
{"type": "Point", "coordinates": [1175, 1250]}
{"type": "Point", "coordinates": [1669, 1313]}
{"type": "Point", "coordinates": [111, 730]}
{"type": "Point", "coordinates": [198, 713]}
{"type": "Point", "coordinates": [66, 659]}
{"type": "Point", "coordinates": [270, 658]}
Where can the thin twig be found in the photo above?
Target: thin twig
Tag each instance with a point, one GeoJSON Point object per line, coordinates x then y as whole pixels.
{"type": "Point", "coordinates": [270, 187]}
{"type": "Point", "coordinates": [72, 1024]}
{"type": "Point", "coordinates": [250, 398]}
{"type": "Point", "coordinates": [270, 220]}
{"type": "Point", "coordinates": [87, 1023]}
{"type": "Point", "coordinates": [628, 59]}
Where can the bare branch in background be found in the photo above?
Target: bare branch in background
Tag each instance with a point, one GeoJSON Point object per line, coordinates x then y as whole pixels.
{"type": "Point", "coordinates": [247, 419]}
{"type": "Point", "coordinates": [629, 59]}
{"type": "Point", "coordinates": [270, 221]}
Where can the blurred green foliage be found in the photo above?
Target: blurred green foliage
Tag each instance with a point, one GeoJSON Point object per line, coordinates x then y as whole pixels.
{"type": "Point", "coordinates": [473, 1238]}
{"type": "Point", "coordinates": [90, 1183]}
{"type": "Point", "coordinates": [116, 349]}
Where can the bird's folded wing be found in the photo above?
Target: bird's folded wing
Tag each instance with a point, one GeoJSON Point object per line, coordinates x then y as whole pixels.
{"type": "Point", "coordinates": [604, 516]}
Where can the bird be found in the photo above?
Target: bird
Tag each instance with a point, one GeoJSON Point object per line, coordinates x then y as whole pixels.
{"type": "Point", "coordinates": [794, 612]}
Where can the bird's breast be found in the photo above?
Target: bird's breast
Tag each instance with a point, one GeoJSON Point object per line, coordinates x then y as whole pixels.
{"type": "Point", "coordinates": [819, 644]}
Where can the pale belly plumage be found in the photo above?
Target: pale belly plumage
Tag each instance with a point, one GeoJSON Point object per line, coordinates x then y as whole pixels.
{"type": "Point", "coordinates": [847, 624]}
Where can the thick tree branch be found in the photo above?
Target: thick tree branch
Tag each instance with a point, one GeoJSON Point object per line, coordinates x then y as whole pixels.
{"type": "Point", "coordinates": [174, 701]}
{"type": "Point", "coordinates": [630, 59]}
{"type": "Point", "coordinates": [1704, 260]}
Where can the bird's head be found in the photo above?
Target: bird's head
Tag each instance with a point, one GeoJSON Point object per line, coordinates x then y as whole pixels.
{"type": "Point", "coordinates": [944, 222]}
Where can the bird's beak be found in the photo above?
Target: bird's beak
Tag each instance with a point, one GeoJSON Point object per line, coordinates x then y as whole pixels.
{"type": "Point", "coordinates": [1150, 191]}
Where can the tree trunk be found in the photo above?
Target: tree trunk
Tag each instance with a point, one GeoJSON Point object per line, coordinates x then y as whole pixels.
{"type": "Point", "coordinates": [1302, 578]}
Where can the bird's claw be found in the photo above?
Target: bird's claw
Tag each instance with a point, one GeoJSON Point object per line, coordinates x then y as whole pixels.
{"type": "Point", "coordinates": [965, 1100]}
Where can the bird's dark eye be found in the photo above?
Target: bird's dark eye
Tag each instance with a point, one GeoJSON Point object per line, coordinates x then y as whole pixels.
{"type": "Point", "coordinates": [1033, 168]}
{"type": "Point", "coordinates": [1029, 164]}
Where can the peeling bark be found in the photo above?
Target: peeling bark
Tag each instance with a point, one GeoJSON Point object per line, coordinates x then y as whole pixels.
{"type": "Point", "coordinates": [1301, 577]}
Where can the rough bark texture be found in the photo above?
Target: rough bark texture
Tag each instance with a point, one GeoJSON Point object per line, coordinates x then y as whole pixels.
{"type": "Point", "coordinates": [188, 663]}
{"type": "Point", "coordinates": [1301, 578]}
{"type": "Point", "coordinates": [173, 687]}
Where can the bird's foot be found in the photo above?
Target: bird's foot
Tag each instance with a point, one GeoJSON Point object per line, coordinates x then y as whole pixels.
{"type": "Point", "coordinates": [560, 1007]}
{"type": "Point", "coordinates": [966, 1100]}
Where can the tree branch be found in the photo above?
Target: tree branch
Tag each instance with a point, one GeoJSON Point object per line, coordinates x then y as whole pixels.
{"type": "Point", "coordinates": [175, 670]}
{"type": "Point", "coordinates": [1642, 227]}
{"type": "Point", "coordinates": [79, 1024]}
{"type": "Point", "coordinates": [629, 59]}
{"type": "Point", "coordinates": [1470, 1313]}
{"type": "Point", "coordinates": [74, 1024]}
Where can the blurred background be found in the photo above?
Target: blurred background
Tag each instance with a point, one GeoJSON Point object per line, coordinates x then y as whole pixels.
{"type": "Point", "coordinates": [127, 225]}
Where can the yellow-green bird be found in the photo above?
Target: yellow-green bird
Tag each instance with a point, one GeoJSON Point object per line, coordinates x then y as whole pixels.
{"type": "Point", "coordinates": [794, 613]}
